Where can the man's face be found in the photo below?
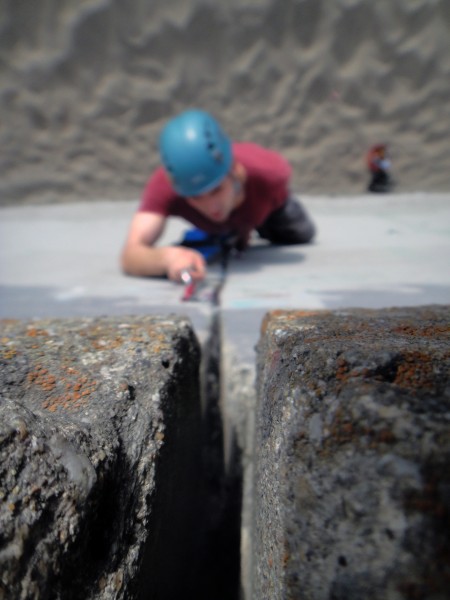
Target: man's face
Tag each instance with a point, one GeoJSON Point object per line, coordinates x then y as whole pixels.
{"type": "Point", "coordinates": [217, 204]}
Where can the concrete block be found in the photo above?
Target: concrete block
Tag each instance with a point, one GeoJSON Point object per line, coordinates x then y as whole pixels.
{"type": "Point", "coordinates": [352, 485]}
{"type": "Point", "coordinates": [100, 446]}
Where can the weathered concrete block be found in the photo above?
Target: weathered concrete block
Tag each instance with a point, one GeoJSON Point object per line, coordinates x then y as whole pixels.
{"type": "Point", "coordinates": [352, 485]}
{"type": "Point", "coordinates": [100, 458]}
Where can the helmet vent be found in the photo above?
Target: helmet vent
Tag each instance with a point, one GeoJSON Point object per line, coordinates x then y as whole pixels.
{"type": "Point", "coordinates": [215, 152]}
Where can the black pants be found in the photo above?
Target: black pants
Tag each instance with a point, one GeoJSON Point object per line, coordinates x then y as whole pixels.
{"type": "Point", "coordinates": [290, 224]}
{"type": "Point", "coordinates": [380, 182]}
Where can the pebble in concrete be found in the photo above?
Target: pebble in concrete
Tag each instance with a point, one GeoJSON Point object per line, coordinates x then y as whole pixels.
{"type": "Point", "coordinates": [352, 451]}
{"type": "Point", "coordinates": [99, 483]}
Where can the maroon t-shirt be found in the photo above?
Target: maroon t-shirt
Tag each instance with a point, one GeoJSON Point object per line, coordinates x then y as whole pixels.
{"type": "Point", "coordinates": [266, 189]}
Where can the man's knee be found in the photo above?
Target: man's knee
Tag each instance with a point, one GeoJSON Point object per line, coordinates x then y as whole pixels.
{"type": "Point", "coordinates": [290, 224]}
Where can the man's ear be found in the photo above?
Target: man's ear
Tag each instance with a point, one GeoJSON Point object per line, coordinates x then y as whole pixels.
{"type": "Point", "coordinates": [239, 172]}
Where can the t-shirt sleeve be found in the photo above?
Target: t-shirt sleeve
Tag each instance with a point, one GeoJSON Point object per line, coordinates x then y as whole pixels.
{"type": "Point", "coordinates": [158, 194]}
{"type": "Point", "coordinates": [276, 168]}
{"type": "Point", "coordinates": [268, 169]}
{"type": "Point", "coordinates": [277, 178]}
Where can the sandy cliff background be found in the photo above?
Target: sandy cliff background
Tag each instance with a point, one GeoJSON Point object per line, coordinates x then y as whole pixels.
{"type": "Point", "coordinates": [85, 86]}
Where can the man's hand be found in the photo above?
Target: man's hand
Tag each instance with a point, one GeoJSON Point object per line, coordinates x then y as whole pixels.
{"type": "Point", "coordinates": [179, 259]}
{"type": "Point", "coordinates": [141, 257]}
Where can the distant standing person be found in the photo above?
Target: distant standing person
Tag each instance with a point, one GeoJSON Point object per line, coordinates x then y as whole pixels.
{"type": "Point", "coordinates": [221, 187]}
{"type": "Point", "coordinates": [379, 167]}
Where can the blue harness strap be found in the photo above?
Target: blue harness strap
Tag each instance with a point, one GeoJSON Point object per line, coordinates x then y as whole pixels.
{"type": "Point", "coordinates": [209, 245]}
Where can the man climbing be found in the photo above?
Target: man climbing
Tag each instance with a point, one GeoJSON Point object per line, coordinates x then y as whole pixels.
{"type": "Point", "coordinates": [379, 167]}
{"type": "Point", "coordinates": [222, 188]}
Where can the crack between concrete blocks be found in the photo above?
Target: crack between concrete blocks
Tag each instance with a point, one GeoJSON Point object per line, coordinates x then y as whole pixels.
{"type": "Point", "coordinates": [223, 482]}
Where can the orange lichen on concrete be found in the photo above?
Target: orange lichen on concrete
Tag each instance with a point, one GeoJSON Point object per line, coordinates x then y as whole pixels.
{"type": "Point", "coordinates": [42, 378]}
{"type": "Point", "coordinates": [8, 353]}
{"type": "Point", "coordinates": [431, 331]}
{"type": "Point", "coordinates": [158, 340]}
{"type": "Point", "coordinates": [34, 332]}
{"type": "Point", "coordinates": [73, 398]}
{"type": "Point", "coordinates": [64, 402]}
{"type": "Point", "coordinates": [416, 370]}
{"type": "Point", "coordinates": [344, 430]}
{"type": "Point", "coordinates": [7, 350]}
{"type": "Point", "coordinates": [345, 373]}
{"type": "Point", "coordinates": [71, 371]}
{"type": "Point", "coordinates": [69, 391]}
{"type": "Point", "coordinates": [342, 370]}
{"type": "Point", "coordinates": [107, 344]}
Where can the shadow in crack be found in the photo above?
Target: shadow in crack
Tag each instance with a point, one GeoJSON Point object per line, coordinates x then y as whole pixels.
{"type": "Point", "coordinates": [223, 487]}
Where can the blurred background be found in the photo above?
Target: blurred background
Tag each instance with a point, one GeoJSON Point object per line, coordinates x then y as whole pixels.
{"type": "Point", "coordinates": [86, 85]}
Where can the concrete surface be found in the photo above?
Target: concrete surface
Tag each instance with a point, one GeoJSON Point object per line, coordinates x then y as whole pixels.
{"type": "Point", "coordinates": [351, 473]}
{"type": "Point", "coordinates": [100, 446]}
{"type": "Point", "coordinates": [371, 251]}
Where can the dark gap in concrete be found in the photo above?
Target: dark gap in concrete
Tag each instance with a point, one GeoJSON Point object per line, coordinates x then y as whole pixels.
{"type": "Point", "coordinates": [223, 488]}
{"type": "Point", "coordinates": [172, 567]}
{"type": "Point", "coordinates": [194, 544]}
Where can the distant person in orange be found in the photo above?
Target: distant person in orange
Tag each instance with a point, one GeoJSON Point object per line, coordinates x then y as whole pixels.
{"type": "Point", "coordinates": [223, 188]}
{"type": "Point", "coordinates": [379, 167]}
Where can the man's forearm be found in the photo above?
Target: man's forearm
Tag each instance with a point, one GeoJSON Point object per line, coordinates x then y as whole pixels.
{"type": "Point", "coordinates": [144, 261]}
{"type": "Point", "coordinates": [148, 261]}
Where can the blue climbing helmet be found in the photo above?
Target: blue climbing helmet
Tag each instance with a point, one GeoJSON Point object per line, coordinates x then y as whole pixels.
{"type": "Point", "coordinates": [195, 152]}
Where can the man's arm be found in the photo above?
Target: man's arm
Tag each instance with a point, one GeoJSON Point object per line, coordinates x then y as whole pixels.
{"type": "Point", "coordinates": [142, 258]}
